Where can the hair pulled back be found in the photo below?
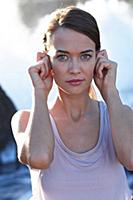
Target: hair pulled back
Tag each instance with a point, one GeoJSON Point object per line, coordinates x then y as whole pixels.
{"type": "Point", "coordinates": [76, 19]}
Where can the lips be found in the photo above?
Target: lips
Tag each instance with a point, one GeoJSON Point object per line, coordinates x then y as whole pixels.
{"type": "Point", "coordinates": [75, 82]}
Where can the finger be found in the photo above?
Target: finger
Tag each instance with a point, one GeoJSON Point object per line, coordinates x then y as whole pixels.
{"type": "Point", "coordinates": [102, 67]}
{"type": "Point", "coordinates": [100, 58]}
{"type": "Point", "coordinates": [42, 72]}
{"type": "Point", "coordinates": [42, 67]}
{"type": "Point", "coordinates": [34, 74]}
{"type": "Point", "coordinates": [40, 55]}
{"type": "Point", "coordinates": [38, 70]}
{"type": "Point", "coordinates": [47, 65]}
{"type": "Point", "coordinates": [103, 62]}
{"type": "Point", "coordinates": [44, 62]}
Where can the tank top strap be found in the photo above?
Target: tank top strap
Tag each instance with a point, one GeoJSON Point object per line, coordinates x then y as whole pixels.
{"type": "Point", "coordinates": [108, 140]}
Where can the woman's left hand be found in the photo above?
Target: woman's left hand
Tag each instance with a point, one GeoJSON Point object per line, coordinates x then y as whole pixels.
{"type": "Point", "coordinates": [105, 74]}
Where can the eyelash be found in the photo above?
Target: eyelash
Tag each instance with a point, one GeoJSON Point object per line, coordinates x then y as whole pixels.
{"type": "Point", "coordinates": [62, 57]}
{"type": "Point", "coordinates": [83, 57]}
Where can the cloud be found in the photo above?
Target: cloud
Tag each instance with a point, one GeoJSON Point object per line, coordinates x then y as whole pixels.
{"type": "Point", "coordinates": [19, 45]}
{"type": "Point", "coordinates": [31, 11]}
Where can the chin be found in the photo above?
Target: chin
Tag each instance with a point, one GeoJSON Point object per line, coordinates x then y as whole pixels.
{"type": "Point", "coordinates": [73, 92]}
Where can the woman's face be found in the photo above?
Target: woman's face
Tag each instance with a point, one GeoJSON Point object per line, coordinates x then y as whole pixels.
{"type": "Point", "coordinates": [73, 58]}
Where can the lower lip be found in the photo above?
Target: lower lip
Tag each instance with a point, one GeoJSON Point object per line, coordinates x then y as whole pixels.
{"type": "Point", "coordinates": [75, 83]}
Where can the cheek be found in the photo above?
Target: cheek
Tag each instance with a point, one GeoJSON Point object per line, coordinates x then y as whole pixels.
{"type": "Point", "coordinates": [58, 77]}
{"type": "Point", "coordinates": [56, 73]}
{"type": "Point", "coordinates": [93, 64]}
{"type": "Point", "coordinates": [90, 67]}
{"type": "Point", "coordinates": [58, 69]}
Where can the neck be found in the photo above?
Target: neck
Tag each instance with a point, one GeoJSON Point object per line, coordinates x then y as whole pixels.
{"type": "Point", "coordinates": [74, 106]}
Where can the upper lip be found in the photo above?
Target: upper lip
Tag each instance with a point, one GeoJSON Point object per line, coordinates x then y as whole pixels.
{"type": "Point", "coordinates": [75, 80]}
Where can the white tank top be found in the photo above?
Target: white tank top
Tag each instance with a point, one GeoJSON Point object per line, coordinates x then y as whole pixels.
{"type": "Point", "coordinates": [93, 175]}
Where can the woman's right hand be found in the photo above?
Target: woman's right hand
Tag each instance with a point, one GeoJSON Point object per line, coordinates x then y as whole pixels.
{"type": "Point", "coordinates": [40, 73]}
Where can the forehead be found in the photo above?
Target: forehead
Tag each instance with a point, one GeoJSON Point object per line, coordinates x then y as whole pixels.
{"type": "Point", "coordinates": [70, 40]}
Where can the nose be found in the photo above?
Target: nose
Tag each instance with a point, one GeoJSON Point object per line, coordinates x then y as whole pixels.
{"type": "Point", "coordinates": [74, 66]}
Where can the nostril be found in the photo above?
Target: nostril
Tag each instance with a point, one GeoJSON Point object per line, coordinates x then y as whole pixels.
{"type": "Point", "coordinates": [74, 66]}
{"type": "Point", "coordinates": [74, 70]}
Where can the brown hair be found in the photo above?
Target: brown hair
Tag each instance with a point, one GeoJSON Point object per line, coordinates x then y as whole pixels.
{"type": "Point", "coordinates": [73, 18]}
{"type": "Point", "coordinates": [76, 19]}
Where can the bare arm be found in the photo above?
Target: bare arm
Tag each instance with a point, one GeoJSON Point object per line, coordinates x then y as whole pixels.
{"type": "Point", "coordinates": [121, 116]}
{"type": "Point", "coordinates": [33, 131]}
{"type": "Point", "coordinates": [19, 123]}
{"type": "Point", "coordinates": [121, 119]}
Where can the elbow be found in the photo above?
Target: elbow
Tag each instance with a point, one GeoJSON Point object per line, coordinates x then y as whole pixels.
{"type": "Point", "coordinates": [40, 162]}
{"type": "Point", "coordinates": [22, 156]}
{"type": "Point", "coordinates": [128, 164]}
{"type": "Point", "coordinates": [22, 160]}
{"type": "Point", "coordinates": [35, 160]}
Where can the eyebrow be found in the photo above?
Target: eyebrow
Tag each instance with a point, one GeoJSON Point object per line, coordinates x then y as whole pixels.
{"type": "Point", "coordinates": [67, 52]}
{"type": "Point", "coordinates": [87, 51]}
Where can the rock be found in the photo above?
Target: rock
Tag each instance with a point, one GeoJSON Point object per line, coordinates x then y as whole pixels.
{"type": "Point", "coordinates": [7, 142]}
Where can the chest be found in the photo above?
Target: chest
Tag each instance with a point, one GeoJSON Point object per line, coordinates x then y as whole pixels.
{"type": "Point", "coordinates": [79, 136]}
{"type": "Point", "coordinates": [76, 179]}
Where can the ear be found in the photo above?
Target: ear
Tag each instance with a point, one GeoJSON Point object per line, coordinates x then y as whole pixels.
{"type": "Point", "coordinates": [102, 52]}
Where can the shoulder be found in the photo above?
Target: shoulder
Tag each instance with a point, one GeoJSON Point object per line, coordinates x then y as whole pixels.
{"type": "Point", "coordinates": [19, 120]}
{"type": "Point", "coordinates": [21, 115]}
{"type": "Point", "coordinates": [103, 107]}
{"type": "Point", "coordinates": [100, 106]}
{"type": "Point", "coordinates": [104, 114]}
{"type": "Point", "coordinates": [104, 117]}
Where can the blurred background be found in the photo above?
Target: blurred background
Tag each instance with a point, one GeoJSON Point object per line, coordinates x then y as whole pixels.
{"type": "Point", "coordinates": [22, 26]}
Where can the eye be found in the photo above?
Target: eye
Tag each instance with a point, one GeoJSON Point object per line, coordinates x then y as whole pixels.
{"type": "Point", "coordinates": [85, 57]}
{"type": "Point", "coordinates": [62, 57]}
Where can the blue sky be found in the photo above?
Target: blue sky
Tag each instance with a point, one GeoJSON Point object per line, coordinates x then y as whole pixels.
{"type": "Point", "coordinates": [18, 47]}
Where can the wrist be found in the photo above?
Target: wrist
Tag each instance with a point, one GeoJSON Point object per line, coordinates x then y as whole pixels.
{"type": "Point", "coordinates": [111, 95]}
{"type": "Point", "coordinates": [40, 93]}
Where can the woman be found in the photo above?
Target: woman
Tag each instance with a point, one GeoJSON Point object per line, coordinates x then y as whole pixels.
{"type": "Point", "coordinates": [77, 149]}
